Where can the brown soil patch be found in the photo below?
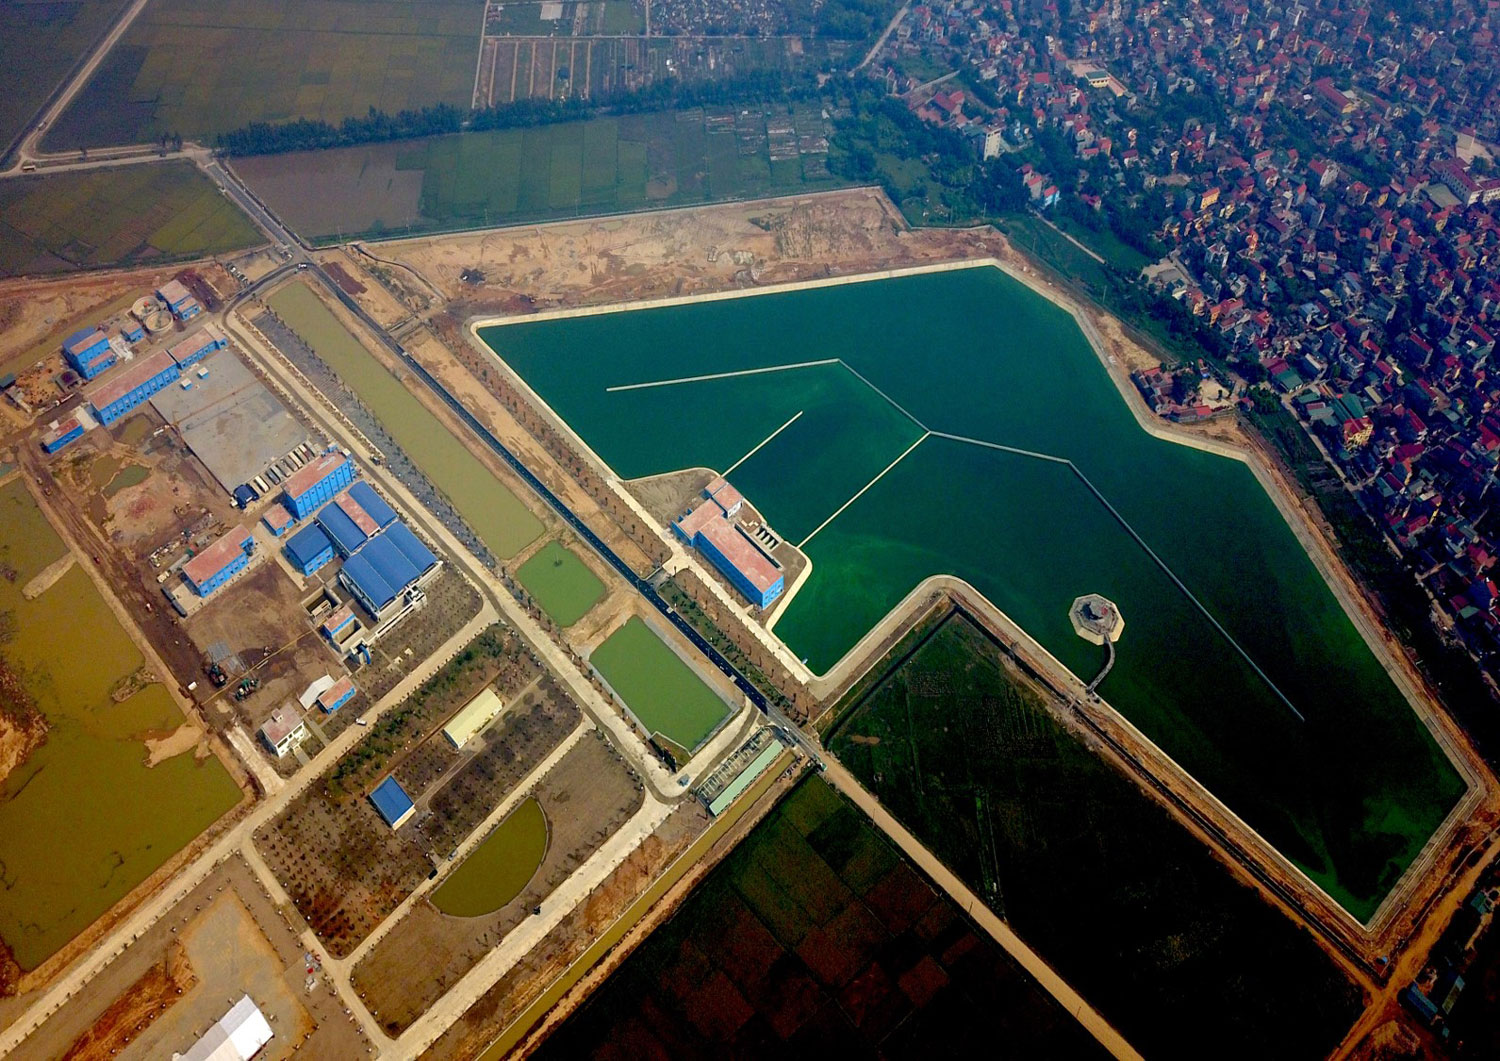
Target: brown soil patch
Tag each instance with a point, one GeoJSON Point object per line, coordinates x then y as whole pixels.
{"type": "Point", "coordinates": [668, 496]}
{"type": "Point", "coordinates": [144, 1001]}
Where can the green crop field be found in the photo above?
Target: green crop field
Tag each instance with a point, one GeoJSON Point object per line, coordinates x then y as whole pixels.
{"type": "Point", "coordinates": [659, 688]}
{"type": "Point", "coordinates": [39, 43]}
{"type": "Point", "coordinates": [1111, 891]}
{"type": "Point", "coordinates": [127, 216]}
{"type": "Point", "coordinates": [571, 169]}
{"type": "Point", "coordinates": [199, 67]}
{"type": "Point", "coordinates": [561, 583]}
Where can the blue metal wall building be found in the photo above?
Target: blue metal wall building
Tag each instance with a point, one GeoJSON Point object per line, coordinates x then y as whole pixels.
{"type": "Point", "coordinates": [88, 351]}
{"type": "Point", "coordinates": [220, 562]}
{"type": "Point", "coordinates": [314, 485]}
{"type": "Point", "coordinates": [309, 549]}
{"type": "Point", "coordinates": [386, 568]}
{"type": "Point", "coordinates": [113, 398]}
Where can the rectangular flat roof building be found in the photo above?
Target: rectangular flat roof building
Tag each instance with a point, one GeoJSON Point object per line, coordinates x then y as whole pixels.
{"type": "Point", "coordinates": [336, 695]}
{"type": "Point", "coordinates": [220, 562]}
{"type": "Point", "coordinates": [112, 398]}
{"type": "Point", "coordinates": [392, 803]}
{"type": "Point", "coordinates": [284, 730]}
{"type": "Point", "coordinates": [309, 549]}
{"type": "Point", "coordinates": [199, 345]}
{"type": "Point", "coordinates": [315, 483]}
{"type": "Point", "coordinates": [473, 717]}
{"type": "Point", "coordinates": [89, 352]}
{"type": "Point", "coordinates": [711, 529]}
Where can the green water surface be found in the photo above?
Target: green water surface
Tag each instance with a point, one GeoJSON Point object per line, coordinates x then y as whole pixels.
{"type": "Point", "coordinates": [495, 872]}
{"type": "Point", "coordinates": [561, 583]}
{"type": "Point", "coordinates": [84, 820]}
{"type": "Point", "coordinates": [1350, 794]}
{"type": "Point", "coordinates": [659, 688]}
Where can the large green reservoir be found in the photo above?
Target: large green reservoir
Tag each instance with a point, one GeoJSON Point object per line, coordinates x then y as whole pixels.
{"type": "Point", "coordinates": [1350, 791]}
{"type": "Point", "coordinates": [502, 522]}
{"type": "Point", "coordinates": [84, 819]}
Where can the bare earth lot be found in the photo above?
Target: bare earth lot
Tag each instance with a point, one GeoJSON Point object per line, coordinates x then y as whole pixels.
{"type": "Point", "coordinates": [227, 938]}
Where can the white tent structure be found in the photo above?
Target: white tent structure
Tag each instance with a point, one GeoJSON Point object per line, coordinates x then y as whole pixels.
{"type": "Point", "coordinates": [238, 1035]}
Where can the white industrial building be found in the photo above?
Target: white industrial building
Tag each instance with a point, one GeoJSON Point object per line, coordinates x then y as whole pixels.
{"type": "Point", "coordinates": [238, 1035]}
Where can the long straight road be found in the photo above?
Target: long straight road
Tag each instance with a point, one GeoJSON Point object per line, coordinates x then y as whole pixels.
{"type": "Point", "coordinates": [982, 915]}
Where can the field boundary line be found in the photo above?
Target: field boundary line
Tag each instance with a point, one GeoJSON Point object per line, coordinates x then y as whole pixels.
{"type": "Point", "coordinates": [763, 442]}
{"type": "Point", "coordinates": [925, 435]}
{"type": "Point", "coordinates": [1002, 447]}
{"type": "Point", "coordinates": [722, 375]}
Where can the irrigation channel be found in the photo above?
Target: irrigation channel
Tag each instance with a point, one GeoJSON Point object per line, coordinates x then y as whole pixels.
{"type": "Point", "coordinates": [642, 585]}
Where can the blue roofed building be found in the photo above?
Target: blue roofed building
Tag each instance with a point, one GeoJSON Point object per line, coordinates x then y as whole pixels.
{"type": "Point", "coordinates": [381, 573]}
{"type": "Point", "coordinates": [392, 803]}
{"type": "Point", "coordinates": [313, 485]}
{"type": "Point", "coordinates": [354, 517]}
{"type": "Point", "coordinates": [89, 352]}
{"type": "Point", "coordinates": [309, 549]}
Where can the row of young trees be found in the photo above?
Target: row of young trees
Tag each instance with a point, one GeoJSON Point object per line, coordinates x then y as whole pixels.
{"type": "Point", "coordinates": [266, 138]}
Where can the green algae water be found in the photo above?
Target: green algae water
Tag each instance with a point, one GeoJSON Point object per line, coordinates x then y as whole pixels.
{"type": "Point", "coordinates": [84, 820]}
{"type": "Point", "coordinates": [561, 583]}
{"type": "Point", "coordinates": [1350, 794]}
{"type": "Point", "coordinates": [503, 523]}
{"type": "Point", "coordinates": [660, 689]}
{"type": "Point", "coordinates": [497, 870]}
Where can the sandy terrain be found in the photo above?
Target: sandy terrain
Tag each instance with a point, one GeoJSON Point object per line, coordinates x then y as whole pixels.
{"type": "Point", "coordinates": [224, 939]}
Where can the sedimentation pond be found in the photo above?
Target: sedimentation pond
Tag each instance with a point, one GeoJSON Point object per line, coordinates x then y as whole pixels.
{"type": "Point", "coordinates": [1238, 661]}
{"type": "Point", "coordinates": [84, 819]}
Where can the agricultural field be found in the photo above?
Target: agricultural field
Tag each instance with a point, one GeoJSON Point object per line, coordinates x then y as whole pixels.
{"type": "Point", "coordinates": [661, 691]}
{"type": "Point", "coordinates": [582, 801]}
{"type": "Point", "coordinates": [598, 68]}
{"type": "Point", "coordinates": [1113, 893]}
{"type": "Point", "coordinates": [814, 937]}
{"type": "Point", "coordinates": [198, 67]}
{"type": "Point", "coordinates": [343, 867]}
{"type": "Point", "coordinates": [133, 215]}
{"type": "Point", "coordinates": [570, 169]}
{"type": "Point", "coordinates": [39, 43]}
{"type": "Point", "coordinates": [561, 583]}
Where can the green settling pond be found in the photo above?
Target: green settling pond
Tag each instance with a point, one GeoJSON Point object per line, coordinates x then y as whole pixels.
{"type": "Point", "coordinates": [497, 870]}
{"type": "Point", "coordinates": [1350, 794]}
{"type": "Point", "coordinates": [84, 820]}
{"type": "Point", "coordinates": [503, 523]}
{"type": "Point", "coordinates": [659, 688]}
{"type": "Point", "coordinates": [561, 583]}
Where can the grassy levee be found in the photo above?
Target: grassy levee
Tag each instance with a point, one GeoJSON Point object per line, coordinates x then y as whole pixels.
{"type": "Point", "coordinates": [561, 583]}
{"type": "Point", "coordinates": [1123, 901]}
{"type": "Point", "coordinates": [816, 936]}
{"type": "Point", "coordinates": [199, 67]}
{"type": "Point", "coordinates": [131, 215]}
{"type": "Point", "coordinates": [659, 688]}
